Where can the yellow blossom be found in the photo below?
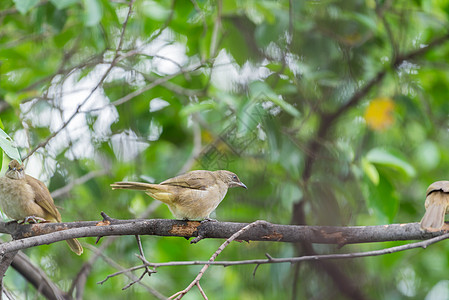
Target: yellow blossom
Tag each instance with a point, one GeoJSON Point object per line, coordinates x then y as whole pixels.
{"type": "Point", "coordinates": [379, 113]}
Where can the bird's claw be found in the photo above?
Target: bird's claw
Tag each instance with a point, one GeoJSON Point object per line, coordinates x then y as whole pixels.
{"type": "Point", "coordinates": [32, 219]}
{"type": "Point", "coordinates": [208, 220]}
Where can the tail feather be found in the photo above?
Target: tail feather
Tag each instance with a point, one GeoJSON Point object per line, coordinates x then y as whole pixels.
{"type": "Point", "coordinates": [133, 185]}
{"type": "Point", "coordinates": [159, 192]}
{"type": "Point", "coordinates": [75, 246]}
{"type": "Point", "coordinates": [434, 217]}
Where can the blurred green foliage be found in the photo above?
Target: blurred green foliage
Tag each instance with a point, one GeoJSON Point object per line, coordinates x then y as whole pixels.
{"type": "Point", "coordinates": [262, 88]}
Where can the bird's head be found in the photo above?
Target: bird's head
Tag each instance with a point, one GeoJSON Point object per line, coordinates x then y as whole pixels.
{"type": "Point", "coordinates": [231, 179]}
{"type": "Point", "coordinates": [15, 170]}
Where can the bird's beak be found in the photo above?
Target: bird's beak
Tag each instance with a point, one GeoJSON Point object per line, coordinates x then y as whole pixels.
{"type": "Point", "coordinates": [241, 184]}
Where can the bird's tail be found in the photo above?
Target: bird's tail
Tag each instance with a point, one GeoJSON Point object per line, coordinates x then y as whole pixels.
{"type": "Point", "coordinates": [434, 217]}
{"type": "Point", "coordinates": [75, 246]}
{"type": "Point", "coordinates": [132, 185]}
{"type": "Point", "coordinates": [157, 191]}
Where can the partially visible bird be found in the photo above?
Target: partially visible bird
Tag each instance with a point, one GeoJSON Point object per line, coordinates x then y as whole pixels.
{"type": "Point", "coordinates": [23, 197]}
{"type": "Point", "coordinates": [191, 196]}
{"type": "Point", "coordinates": [437, 205]}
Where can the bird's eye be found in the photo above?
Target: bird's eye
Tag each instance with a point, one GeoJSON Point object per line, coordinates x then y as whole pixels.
{"type": "Point", "coordinates": [234, 177]}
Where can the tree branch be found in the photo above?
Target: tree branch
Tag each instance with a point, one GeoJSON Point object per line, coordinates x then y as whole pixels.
{"type": "Point", "coordinates": [32, 235]}
{"type": "Point", "coordinates": [37, 278]}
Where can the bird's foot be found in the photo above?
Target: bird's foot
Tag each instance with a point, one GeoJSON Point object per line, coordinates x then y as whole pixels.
{"type": "Point", "coordinates": [201, 231]}
{"type": "Point", "coordinates": [208, 220]}
{"type": "Point", "coordinates": [32, 219]}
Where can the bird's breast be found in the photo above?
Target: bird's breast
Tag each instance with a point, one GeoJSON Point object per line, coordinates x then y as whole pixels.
{"type": "Point", "coordinates": [17, 199]}
{"type": "Point", "coordinates": [197, 204]}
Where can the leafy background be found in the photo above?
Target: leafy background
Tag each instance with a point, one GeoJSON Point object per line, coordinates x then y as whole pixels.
{"type": "Point", "coordinates": [331, 112]}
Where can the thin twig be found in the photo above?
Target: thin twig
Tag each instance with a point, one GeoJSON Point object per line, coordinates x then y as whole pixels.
{"type": "Point", "coordinates": [220, 249]}
{"type": "Point", "coordinates": [147, 269]}
{"type": "Point", "coordinates": [293, 260]}
{"type": "Point", "coordinates": [150, 86]}
{"type": "Point", "coordinates": [201, 291]}
{"type": "Point", "coordinates": [128, 274]}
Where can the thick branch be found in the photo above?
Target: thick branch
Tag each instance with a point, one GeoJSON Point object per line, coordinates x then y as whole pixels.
{"type": "Point", "coordinates": [38, 234]}
{"type": "Point", "coordinates": [37, 278]}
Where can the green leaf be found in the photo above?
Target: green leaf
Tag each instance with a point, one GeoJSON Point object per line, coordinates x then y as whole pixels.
{"type": "Point", "coordinates": [386, 158]}
{"type": "Point", "coordinates": [260, 91]}
{"type": "Point", "coordinates": [61, 4]}
{"type": "Point", "coordinates": [23, 6]}
{"type": "Point", "coordinates": [155, 11]}
{"type": "Point", "coordinates": [370, 171]}
{"type": "Point", "coordinates": [383, 198]}
{"type": "Point", "coordinates": [92, 12]}
{"type": "Point", "coordinates": [6, 143]}
{"type": "Point", "coordinates": [195, 107]}
{"type": "Point", "coordinates": [427, 155]}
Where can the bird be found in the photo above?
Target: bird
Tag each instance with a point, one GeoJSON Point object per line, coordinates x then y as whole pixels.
{"type": "Point", "coordinates": [190, 196]}
{"type": "Point", "coordinates": [26, 198]}
{"type": "Point", "coordinates": [437, 205]}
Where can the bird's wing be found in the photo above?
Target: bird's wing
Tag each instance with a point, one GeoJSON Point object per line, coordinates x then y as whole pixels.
{"type": "Point", "coordinates": [43, 198]}
{"type": "Point", "coordinates": [198, 180]}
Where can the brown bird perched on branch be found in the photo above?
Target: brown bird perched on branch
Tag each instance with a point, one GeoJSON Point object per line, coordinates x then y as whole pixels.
{"type": "Point", "coordinates": [23, 197]}
{"type": "Point", "coordinates": [190, 196]}
{"type": "Point", "coordinates": [437, 205]}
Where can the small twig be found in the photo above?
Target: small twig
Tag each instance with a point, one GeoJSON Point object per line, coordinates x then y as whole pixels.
{"type": "Point", "coordinates": [147, 269]}
{"type": "Point", "coordinates": [255, 270]}
{"type": "Point", "coordinates": [106, 217]}
{"type": "Point", "coordinates": [201, 290]}
{"type": "Point", "coordinates": [134, 281]}
{"type": "Point", "coordinates": [220, 249]}
{"type": "Point", "coordinates": [139, 244]}
{"type": "Point", "coordinates": [100, 253]}
{"type": "Point", "coordinates": [148, 87]}
{"type": "Point", "coordinates": [292, 260]}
